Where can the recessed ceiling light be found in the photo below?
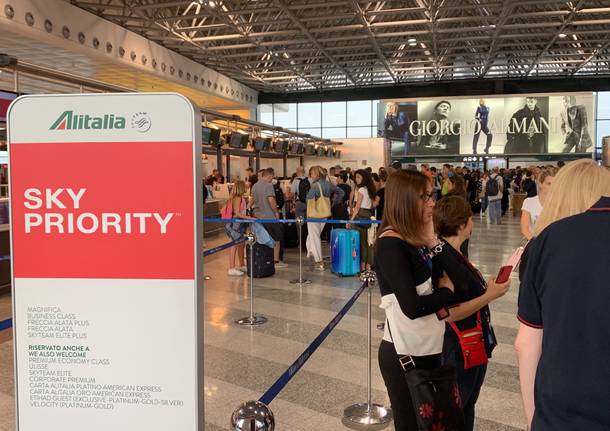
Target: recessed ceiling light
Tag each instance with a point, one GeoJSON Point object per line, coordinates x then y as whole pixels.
{"type": "Point", "coordinates": [563, 35]}
{"type": "Point", "coordinates": [212, 4]}
{"type": "Point", "coordinates": [413, 44]}
{"type": "Point", "coordinates": [412, 40]}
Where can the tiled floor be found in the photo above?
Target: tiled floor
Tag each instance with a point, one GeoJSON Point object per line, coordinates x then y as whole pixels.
{"type": "Point", "coordinates": [241, 363]}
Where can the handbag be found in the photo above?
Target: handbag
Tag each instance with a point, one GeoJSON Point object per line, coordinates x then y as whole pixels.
{"type": "Point", "coordinates": [371, 233]}
{"type": "Point", "coordinates": [472, 344]}
{"type": "Point", "coordinates": [435, 395]}
{"type": "Point", "coordinates": [319, 207]}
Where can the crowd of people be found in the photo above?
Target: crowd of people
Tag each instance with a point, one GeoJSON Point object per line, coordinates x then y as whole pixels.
{"type": "Point", "coordinates": [352, 195]}
{"type": "Point", "coordinates": [490, 193]}
{"type": "Point", "coordinates": [435, 299]}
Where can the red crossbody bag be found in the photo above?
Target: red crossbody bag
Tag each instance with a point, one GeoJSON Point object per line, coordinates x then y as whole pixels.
{"type": "Point", "coordinates": [472, 344]}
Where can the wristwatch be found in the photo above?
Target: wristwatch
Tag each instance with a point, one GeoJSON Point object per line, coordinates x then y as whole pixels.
{"type": "Point", "coordinates": [437, 249]}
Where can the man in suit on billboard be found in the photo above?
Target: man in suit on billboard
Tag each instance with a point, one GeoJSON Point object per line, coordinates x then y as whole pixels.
{"type": "Point", "coordinates": [527, 131]}
{"type": "Point", "coordinates": [574, 125]}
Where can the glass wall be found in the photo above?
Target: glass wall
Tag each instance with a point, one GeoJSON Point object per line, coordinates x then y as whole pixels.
{"type": "Point", "coordinates": [603, 118]}
{"type": "Point", "coordinates": [329, 120]}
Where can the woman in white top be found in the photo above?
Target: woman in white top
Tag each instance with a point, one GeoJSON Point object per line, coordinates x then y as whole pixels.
{"type": "Point", "coordinates": [532, 207]}
{"type": "Point", "coordinates": [363, 210]}
{"type": "Point", "coordinates": [404, 271]}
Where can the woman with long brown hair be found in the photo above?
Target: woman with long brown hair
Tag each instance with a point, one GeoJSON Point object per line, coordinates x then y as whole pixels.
{"type": "Point", "coordinates": [404, 250]}
{"type": "Point", "coordinates": [365, 193]}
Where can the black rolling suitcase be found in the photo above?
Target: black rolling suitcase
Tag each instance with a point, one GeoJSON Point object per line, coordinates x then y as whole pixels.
{"type": "Point", "coordinates": [264, 265]}
{"type": "Point", "coordinates": [291, 233]}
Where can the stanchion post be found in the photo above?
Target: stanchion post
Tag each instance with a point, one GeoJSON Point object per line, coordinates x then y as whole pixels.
{"type": "Point", "coordinates": [300, 281]}
{"type": "Point", "coordinates": [368, 413]}
{"type": "Point", "coordinates": [252, 416]}
{"type": "Point", "coordinates": [252, 319]}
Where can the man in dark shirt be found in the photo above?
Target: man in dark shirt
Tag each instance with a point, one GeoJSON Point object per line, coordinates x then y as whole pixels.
{"type": "Point", "coordinates": [565, 295]}
{"type": "Point", "coordinates": [529, 185]}
{"type": "Point", "coordinates": [215, 177]}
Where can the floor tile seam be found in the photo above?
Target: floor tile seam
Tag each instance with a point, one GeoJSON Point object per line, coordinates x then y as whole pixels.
{"type": "Point", "coordinates": [321, 326]}
{"type": "Point", "coordinates": [343, 356]}
{"type": "Point", "coordinates": [378, 396]}
{"type": "Point", "coordinates": [346, 294]}
{"type": "Point", "coordinates": [378, 315]}
{"type": "Point", "coordinates": [286, 404]}
{"type": "Point", "coordinates": [486, 417]}
{"type": "Point", "coordinates": [342, 326]}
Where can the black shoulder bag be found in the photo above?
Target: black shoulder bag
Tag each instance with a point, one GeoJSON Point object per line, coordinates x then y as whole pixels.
{"type": "Point", "coordinates": [435, 395]}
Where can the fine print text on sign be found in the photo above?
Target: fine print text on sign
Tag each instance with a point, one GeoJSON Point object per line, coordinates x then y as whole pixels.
{"type": "Point", "coordinates": [106, 262]}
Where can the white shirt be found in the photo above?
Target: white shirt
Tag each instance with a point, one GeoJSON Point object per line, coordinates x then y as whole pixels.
{"type": "Point", "coordinates": [534, 208]}
{"type": "Point", "coordinates": [366, 203]}
{"type": "Point", "coordinates": [417, 337]}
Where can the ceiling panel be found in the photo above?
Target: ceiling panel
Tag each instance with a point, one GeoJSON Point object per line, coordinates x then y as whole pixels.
{"type": "Point", "coordinates": [293, 45]}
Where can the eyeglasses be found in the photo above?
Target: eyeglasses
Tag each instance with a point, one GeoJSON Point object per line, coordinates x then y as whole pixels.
{"type": "Point", "coordinates": [429, 197]}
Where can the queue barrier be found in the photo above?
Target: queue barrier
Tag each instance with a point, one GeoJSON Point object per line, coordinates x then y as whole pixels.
{"type": "Point", "coordinates": [290, 221]}
{"type": "Point", "coordinates": [222, 247]}
{"type": "Point", "coordinates": [256, 415]}
{"type": "Point", "coordinates": [6, 324]}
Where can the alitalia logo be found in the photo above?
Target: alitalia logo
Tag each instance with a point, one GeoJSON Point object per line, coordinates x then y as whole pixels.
{"type": "Point", "coordinates": [69, 120]}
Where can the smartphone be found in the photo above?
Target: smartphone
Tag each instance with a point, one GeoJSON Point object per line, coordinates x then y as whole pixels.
{"type": "Point", "coordinates": [504, 274]}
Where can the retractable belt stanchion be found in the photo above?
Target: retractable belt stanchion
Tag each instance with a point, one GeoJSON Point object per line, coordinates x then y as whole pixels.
{"type": "Point", "coordinates": [251, 320]}
{"type": "Point", "coordinates": [300, 281]}
{"type": "Point", "coordinates": [252, 416]}
{"type": "Point", "coordinates": [368, 413]}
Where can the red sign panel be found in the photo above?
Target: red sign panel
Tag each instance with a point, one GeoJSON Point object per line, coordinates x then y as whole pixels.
{"type": "Point", "coordinates": [5, 101]}
{"type": "Point", "coordinates": [124, 216]}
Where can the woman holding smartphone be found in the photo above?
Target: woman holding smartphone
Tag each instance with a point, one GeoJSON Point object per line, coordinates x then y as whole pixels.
{"type": "Point", "coordinates": [470, 314]}
{"type": "Point", "coordinates": [403, 263]}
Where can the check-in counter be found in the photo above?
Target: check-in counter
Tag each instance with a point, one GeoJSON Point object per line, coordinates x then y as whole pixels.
{"type": "Point", "coordinates": [211, 208]}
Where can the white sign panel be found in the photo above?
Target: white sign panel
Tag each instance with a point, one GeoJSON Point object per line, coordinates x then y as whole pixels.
{"type": "Point", "coordinates": [106, 229]}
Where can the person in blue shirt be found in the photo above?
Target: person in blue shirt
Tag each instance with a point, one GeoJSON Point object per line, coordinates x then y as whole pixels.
{"type": "Point", "coordinates": [482, 116]}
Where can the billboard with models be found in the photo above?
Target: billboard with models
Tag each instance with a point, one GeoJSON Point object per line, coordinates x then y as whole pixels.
{"type": "Point", "coordinates": [527, 124]}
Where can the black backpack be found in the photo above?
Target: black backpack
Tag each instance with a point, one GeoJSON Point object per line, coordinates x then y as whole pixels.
{"type": "Point", "coordinates": [304, 187]}
{"type": "Point", "coordinates": [492, 188]}
{"type": "Point", "coordinates": [279, 195]}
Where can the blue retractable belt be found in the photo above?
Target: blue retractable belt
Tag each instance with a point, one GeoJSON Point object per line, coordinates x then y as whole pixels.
{"type": "Point", "coordinates": [280, 383]}
{"type": "Point", "coordinates": [6, 324]}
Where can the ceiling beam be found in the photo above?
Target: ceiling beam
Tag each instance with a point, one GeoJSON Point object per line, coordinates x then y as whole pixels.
{"type": "Point", "coordinates": [493, 49]}
{"type": "Point", "coordinates": [589, 59]}
{"type": "Point", "coordinates": [366, 27]}
{"type": "Point", "coordinates": [560, 30]}
{"type": "Point", "coordinates": [284, 8]}
{"type": "Point", "coordinates": [237, 26]}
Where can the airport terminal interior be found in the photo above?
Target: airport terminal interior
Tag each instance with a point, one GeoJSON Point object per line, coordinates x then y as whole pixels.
{"type": "Point", "coordinates": [347, 93]}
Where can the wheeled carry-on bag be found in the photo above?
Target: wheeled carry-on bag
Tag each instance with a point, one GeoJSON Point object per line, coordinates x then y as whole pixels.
{"type": "Point", "coordinates": [345, 252]}
{"type": "Point", "coordinates": [264, 265]}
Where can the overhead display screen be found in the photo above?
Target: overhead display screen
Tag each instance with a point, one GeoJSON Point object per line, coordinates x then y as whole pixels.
{"type": "Point", "coordinates": [524, 124]}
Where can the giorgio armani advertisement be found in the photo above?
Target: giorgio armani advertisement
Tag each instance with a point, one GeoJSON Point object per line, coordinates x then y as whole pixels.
{"type": "Point", "coordinates": [529, 124]}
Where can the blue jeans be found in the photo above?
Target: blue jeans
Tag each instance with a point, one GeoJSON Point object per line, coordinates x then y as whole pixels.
{"type": "Point", "coordinates": [495, 211]}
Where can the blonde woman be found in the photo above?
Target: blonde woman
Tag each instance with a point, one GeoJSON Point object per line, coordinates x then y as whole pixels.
{"type": "Point", "coordinates": [564, 295]}
{"type": "Point", "coordinates": [236, 208]}
{"type": "Point", "coordinates": [320, 187]}
{"type": "Point", "coordinates": [532, 207]}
